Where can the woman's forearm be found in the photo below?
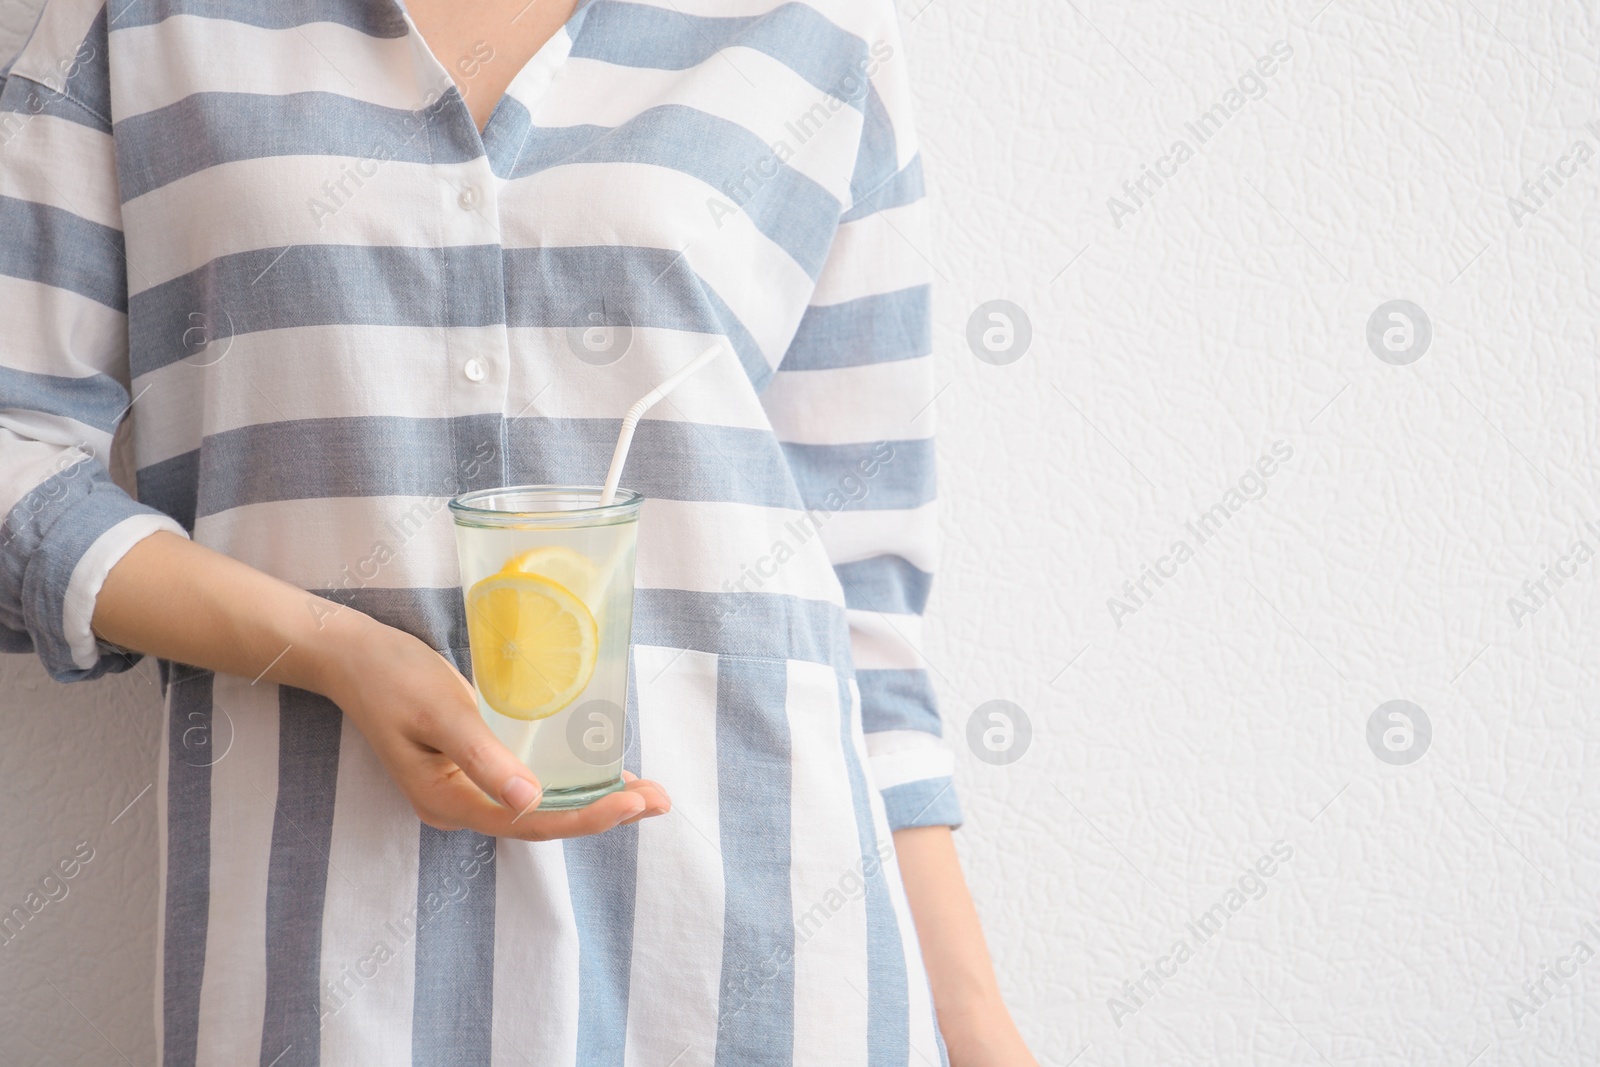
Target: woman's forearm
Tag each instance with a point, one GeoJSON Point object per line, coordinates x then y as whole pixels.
{"type": "Point", "coordinates": [973, 1018]}
{"type": "Point", "coordinates": [173, 598]}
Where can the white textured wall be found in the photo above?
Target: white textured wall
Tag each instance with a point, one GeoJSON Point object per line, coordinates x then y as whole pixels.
{"type": "Point", "coordinates": [1229, 709]}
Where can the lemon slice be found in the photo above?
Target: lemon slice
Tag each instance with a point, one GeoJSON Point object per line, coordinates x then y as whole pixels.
{"type": "Point", "coordinates": [564, 567]}
{"type": "Point", "coordinates": [534, 644]}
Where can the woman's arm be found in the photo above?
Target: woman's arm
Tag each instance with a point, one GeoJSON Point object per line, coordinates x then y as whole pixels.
{"type": "Point", "coordinates": [173, 598]}
{"type": "Point", "coordinates": [977, 1028]}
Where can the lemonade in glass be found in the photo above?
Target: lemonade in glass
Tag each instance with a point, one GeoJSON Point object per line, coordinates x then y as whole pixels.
{"type": "Point", "coordinates": [547, 578]}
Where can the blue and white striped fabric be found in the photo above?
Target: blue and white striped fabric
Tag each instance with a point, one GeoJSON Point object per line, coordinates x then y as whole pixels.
{"type": "Point", "coordinates": [270, 239]}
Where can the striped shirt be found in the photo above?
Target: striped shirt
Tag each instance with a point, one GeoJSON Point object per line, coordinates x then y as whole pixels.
{"type": "Point", "coordinates": [269, 242]}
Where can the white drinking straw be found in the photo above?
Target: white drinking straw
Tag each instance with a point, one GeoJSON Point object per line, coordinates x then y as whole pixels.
{"type": "Point", "coordinates": [631, 420]}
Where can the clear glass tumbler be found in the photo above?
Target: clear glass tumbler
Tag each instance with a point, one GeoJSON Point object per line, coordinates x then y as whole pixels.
{"type": "Point", "coordinates": [547, 578]}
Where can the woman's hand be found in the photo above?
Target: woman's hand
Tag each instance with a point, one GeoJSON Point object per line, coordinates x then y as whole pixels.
{"type": "Point", "coordinates": [421, 718]}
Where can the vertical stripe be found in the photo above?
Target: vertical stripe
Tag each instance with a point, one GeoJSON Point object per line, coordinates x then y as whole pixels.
{"type": "Point", "coordinates": [829, 878]}
{"type": "Point", "coordinates": [244, 780]}
{"type": "Point", "coordinates": [186, 841]}
{"type": "Point", "coordinates": [297, 877]}
{"type": "Point", "coordinates": [535, 957]}
{"type": "Point", "coordinates": [369, 916]}
{"type": "Point", "coordinates": [889, 1040]}
{"type": "Point", "coordinates": [755, 1021]}
{"type": "Point", "coordinates": [603, 872]}
{"type": "Point", "coordinates": [922, 1030]}
{"type": "Point", "coordinates": [677, 948]}
{"type": "Point", "coordinates": [453, 1009]}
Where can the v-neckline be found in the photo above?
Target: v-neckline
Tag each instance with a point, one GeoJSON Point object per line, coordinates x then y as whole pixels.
{"type": "Point", "coordinates": [539, 70]}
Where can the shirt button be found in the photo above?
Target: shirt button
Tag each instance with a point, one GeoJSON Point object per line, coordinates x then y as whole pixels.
{"type": "Point", "coordinates": [468, 198]}
{"type": "Point", "coordinates": [474, 370]}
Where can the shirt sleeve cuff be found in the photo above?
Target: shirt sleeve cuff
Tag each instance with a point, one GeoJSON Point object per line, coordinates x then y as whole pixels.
{"type": "Point", "coordinates": [90, 573]}
{"type": "Point", "coordinates": [915, 774]}
{"type": "Point", "coordinates": [46, 541]}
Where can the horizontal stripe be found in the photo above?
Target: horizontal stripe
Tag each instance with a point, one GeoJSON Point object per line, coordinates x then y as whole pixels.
{"type": "Point", "coordinates": [347, 542]}
{"type": "Point", "coordinates": [872, 402]}
{"type": "Point", "coordinates": [55, 247]}
{"type": "Point", "coordinates": [96, 400]}
{"type": "Point", "coordinates": [929, 802]}
{"type": "Point", "coordinates": [732, 279]}
{"type": "Point", "coordinates": [374, 20]}
{"type": "Point", "coordinates": [876, 255]}
{"type": "Point", "coordinates": [749, 625]}
{"type": "Point", "coordinates": [898, 700]}
{"type": "Point", "coordinates": [882, 642]}
{"type": "Point", "coordinates": [795, 212]}
{"type": "Point", "coordinates": [39, 149]}
{"type": "Point", "coordinates": [784, 110]}
{"type": "Point", "coordinates": [905, 186]}
{"type": "Point", "coordinates": [884, 583]}
{"type": "Point", "coordinates": [24, 100]}
{"type": "Point", "coordinates": [374, 456]}
{"type": "Point", "coordinates": [170, 487]}
{"type": "Point", "coordinates": [557, 287]}
{"type": "Point", "coordinates": [885, 475]}
{"type": "Point", "coordinates": [876, 160]}
{"type": "Point", "coordinates": [322, 372]}
{"type": "Point", "coordinates": [733, 275]}
{"type": "Point", "coordinates": [59, 332]}
{"type": "Point", "coordinates": [911, 533]}
{"type": "Point", "coordinates": [801, 38]}
{"type": "Point", "coordinates": [873, 329]}
{"type": "Point", "coordinates": [277, 287]}
{"type": "Point", "coordinates": [264, 60]}
{"type": "Point", "coordinates": [218, 128]}
{"type": "Point", "coordinates": [758, 625]}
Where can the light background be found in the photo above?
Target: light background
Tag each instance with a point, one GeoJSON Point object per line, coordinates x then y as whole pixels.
{"type": "Point", "coordinates": [1230, 710]}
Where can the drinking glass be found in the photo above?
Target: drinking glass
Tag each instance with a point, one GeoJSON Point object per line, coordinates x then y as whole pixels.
{"type": "Point", "coordinates": [547, 579]}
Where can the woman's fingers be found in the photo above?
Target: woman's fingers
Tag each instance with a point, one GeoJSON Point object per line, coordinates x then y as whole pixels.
{"type": "Point", "coordinates": [462, 737]}
{"type": "Point", "coordinates": [447, 799]}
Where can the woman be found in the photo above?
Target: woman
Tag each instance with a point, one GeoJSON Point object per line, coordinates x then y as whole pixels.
{"type": "Point", "coordinates": [341, 260]}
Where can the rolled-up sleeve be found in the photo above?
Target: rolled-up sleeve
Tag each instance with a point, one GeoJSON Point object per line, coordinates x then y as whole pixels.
{"type": "Point", "coordinates": [64, 385]}
{"type": "Point", "coordinates": [852, 403]}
